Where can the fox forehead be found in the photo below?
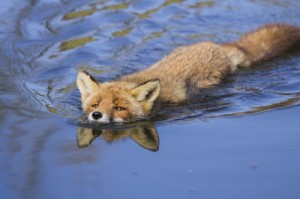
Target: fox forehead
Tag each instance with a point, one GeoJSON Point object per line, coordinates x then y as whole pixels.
{"type": "Point", "coordinates": [110, 95]}
{"type": "Point", "coordinates": [113, 97]}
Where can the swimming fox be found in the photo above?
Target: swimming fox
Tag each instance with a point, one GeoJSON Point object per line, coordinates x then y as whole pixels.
{"type": "Point", "coordinates": [202, 65]}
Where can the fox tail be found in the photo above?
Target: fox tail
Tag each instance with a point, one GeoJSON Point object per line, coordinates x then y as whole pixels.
{"type": "Point", "coordinates": [262, 44]}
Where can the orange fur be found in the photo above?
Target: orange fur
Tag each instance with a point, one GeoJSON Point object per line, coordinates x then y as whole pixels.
{"type": "Point", "coordinates": [200, 65]}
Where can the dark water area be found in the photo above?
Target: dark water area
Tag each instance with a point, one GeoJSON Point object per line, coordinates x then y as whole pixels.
{"type": "Point", "coordinates": [237, 140]}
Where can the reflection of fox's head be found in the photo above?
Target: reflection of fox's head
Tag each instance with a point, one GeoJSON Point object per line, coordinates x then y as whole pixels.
{"type": "Point", "coordinates": [116, 101]}
{"type": "Point", "coordinates": [145, 136]}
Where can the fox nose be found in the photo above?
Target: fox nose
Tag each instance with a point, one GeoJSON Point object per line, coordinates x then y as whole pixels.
{"type": "Point", "coordinates": [96, 115]}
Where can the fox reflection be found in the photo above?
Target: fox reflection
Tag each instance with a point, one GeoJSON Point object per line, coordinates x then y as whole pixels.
{"type": "Point", "coordinates": [146, 136]}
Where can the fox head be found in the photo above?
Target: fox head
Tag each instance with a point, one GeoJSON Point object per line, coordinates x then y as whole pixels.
{"type": "Point", "coordinates": [117, 101]}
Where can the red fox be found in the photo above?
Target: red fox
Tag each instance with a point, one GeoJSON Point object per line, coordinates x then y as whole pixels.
{"type": "Point", "coordinates": [137, 96]}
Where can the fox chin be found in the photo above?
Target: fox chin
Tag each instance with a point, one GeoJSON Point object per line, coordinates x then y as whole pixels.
{"type": "Point", "coordinates": [138, 95]}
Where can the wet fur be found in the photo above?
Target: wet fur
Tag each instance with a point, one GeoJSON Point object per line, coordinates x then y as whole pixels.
{"type": "Point", "coordinates": [200, 65]}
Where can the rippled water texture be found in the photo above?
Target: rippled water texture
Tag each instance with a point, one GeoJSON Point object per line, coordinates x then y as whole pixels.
{"type": "Point", "coordinates": [44, 42]}
{"type": "Point", "coordinates": [51, 39]}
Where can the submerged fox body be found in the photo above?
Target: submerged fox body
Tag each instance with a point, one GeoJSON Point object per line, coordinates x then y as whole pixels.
{"type": "Point", "coordinates": [201, 65]}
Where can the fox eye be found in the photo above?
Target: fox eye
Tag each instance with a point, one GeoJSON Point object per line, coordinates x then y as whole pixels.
{"type": "Point", "coordinates": [119, 108]}
{"type": "Point", "coordinates": [94, 105]}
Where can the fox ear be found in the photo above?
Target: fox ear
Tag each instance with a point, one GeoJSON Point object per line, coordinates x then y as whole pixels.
{"type": "Point", "coordinates": [147, 91]}
{"type": "Point", "coordinates": [146, 137]}
{"type": "Point", "coordinates": [86, 84]}
{"type": "Point", "coordinates": [84, 137]}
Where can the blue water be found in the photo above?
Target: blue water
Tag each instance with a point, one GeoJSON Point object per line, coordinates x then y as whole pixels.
{"type": "Point", "coordinates": [237, 140]}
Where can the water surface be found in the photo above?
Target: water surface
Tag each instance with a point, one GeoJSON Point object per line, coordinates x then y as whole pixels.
{"type": "Point", "coordinates": [237, 140]}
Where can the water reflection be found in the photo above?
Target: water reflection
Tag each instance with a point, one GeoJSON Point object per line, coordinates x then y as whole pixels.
{"type": "Point", "coordinates": [93, 9]}
{"type": "Point", "coordinates": [144, 134]}
{"type": "Point", "coordinates": [75, 43]}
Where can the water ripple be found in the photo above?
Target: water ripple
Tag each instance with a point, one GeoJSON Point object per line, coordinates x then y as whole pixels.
{"type": "Point", "coordinates": [110, 38]}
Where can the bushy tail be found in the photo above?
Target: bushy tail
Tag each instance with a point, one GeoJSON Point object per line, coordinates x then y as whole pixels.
{"type": "Point", "coordinates": [262, 44]}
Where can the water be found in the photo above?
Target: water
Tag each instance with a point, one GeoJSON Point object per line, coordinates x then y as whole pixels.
{"type": "Point", "coordinates": [238, 140]}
